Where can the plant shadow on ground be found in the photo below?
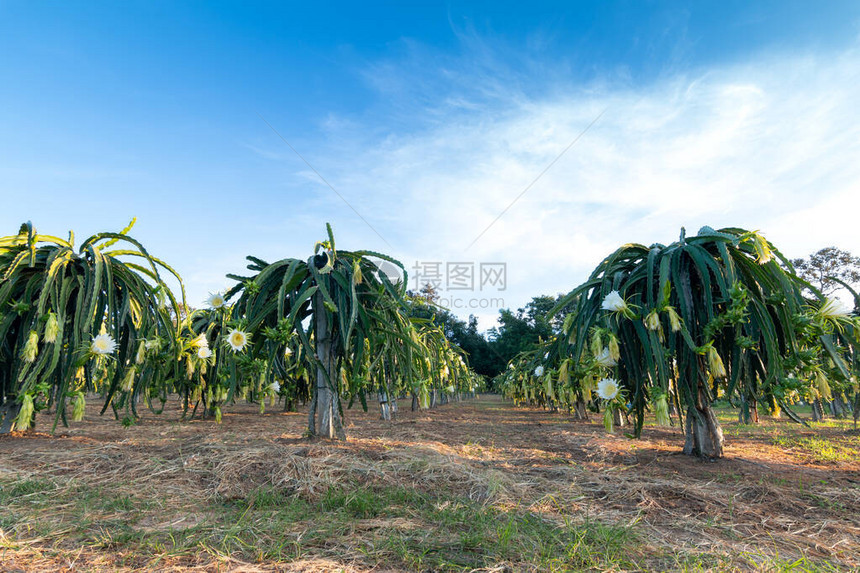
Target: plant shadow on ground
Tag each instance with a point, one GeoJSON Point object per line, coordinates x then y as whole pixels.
{"type": "Point", "coordinates": [477, 485]}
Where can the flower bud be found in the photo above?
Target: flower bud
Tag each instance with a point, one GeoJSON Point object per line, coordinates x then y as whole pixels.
{"type": "Point", "coordinates": [661, 409]}
{"type": "Point", "coordinates": [652, 321]}
{"type": "Point", "coordinates": [52, 328]}
{"type": "Point", "coordinates": [715, 363]}
{"type": "Point", "coordinates": [141, 352]}
{"type": "Point", "coordinates": [605, 359]}
{"type": "Point", "coordinates": [31, 347]}
{"type": "Point", "coordinates": [614, 352]}
{"type": "Point", "coordinates": [79, 405]}
{"type": "Point", "coordinates": [823, 387]}
{"type": "Point", "coordinates": [25, 414]}
{"type": "Point", "coordinates": [128, 380]}
{"type": "Point", "coordinates": [674, 319]}
{"type": "Point", "coordinates": [608, 421]}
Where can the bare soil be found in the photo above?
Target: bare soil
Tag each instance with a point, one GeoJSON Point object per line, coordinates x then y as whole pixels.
{"type": "Point", "coordinates": [762, 501]}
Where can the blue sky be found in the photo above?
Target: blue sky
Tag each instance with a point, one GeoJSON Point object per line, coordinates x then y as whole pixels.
{"type": "Point", "coordinates": [429, 120]}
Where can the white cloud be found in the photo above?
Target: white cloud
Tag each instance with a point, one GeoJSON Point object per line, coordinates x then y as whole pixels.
{"type": "Point", "coordinates": [769, 144]}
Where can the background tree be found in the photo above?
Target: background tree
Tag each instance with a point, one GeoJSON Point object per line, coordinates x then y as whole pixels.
{"type": "Point", "coordinates": [484, 359]}
{"type": "Point", "coordinates": [523, 330]}
{"type": "Point", "coordinates": [822, 266]}
{"type": "Point", "coordinates": [517, 331]}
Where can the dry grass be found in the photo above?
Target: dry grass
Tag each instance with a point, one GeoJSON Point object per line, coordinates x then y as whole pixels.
{"type": "Point", "coordinates": [252, 495]}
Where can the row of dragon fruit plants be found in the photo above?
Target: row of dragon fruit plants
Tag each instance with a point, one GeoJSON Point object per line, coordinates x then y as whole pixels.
{"type": "Point", "coordinates": [669, 329]}
{"type": "Point", "coordinates": [101, 320]}
{"type": "Point", "coordinates": [665, 329]}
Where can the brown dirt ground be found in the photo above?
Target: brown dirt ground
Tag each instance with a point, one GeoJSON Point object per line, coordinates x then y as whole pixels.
{"type": "Point", "coordinates": [761, 499]}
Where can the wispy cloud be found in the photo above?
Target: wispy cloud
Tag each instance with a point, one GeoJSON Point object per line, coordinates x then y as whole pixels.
{"type": "Point", "coordinates": [770, 143]}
